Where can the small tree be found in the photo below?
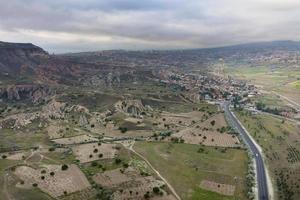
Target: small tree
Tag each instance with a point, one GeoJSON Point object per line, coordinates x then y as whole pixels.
{"type": "Point", "coordinates": [156, 190]}
{"type": "Point", "coordinates": [118, 161]}
{"type": "Point", "coordinates": [64, 167]}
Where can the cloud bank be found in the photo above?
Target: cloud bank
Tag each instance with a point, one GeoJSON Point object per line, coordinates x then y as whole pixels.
{"type": "Point", "coordinates": [85, 25]}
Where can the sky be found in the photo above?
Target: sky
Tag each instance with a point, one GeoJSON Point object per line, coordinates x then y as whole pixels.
{"type": "Point", "coordinates": [89, 25]}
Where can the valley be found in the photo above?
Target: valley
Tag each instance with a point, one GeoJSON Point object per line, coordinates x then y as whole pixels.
{"type": "Point", "coordinates": [142, 125]}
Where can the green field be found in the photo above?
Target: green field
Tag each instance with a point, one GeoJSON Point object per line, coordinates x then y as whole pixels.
{"type": "Point", "coordinates": [273, 101]}
{"type": "Point", "coordinates": [185, 168]}
{"type": "Point", "coordinates": [280, 142]}
{"type": "Point", "coordinates": [282, 79]}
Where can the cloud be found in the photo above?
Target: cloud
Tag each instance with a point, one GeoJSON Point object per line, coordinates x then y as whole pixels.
{"type": "Point", "coordinates": [75, 25]}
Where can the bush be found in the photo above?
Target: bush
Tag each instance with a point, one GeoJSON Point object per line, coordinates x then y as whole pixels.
{"type": "Point", "coordinates": [64, 167]}
{"type": "Point", "coordinates": [156, 190]}
{"type": "Point", "coordinates": [94, 164]}
{"type": "Point", "coordinates": [123, 129]}
{"type": "Point", "coordinates": [118, 161]}
{"type": "Point", "coordinates": [52, 149]}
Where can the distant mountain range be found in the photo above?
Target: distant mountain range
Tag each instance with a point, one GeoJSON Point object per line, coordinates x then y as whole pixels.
{"type": "Point", "coordinates": [25, 62]}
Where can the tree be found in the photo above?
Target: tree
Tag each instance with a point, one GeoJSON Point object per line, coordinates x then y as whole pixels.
{"type": "Point", "coordinates": [147, 195]}
{"type": "Point", "coordinates": [94, 164]}
{"type": "Point", "coordinates": [64, 167]}
{"type": "Point", "coordinates": [156, 190]}
{"type": "Point", "coordinates": [123, 129]}
{"type": "Point", "coordinates": [118, 161]}
{"type": "Point", "coordinates": [213, 122]}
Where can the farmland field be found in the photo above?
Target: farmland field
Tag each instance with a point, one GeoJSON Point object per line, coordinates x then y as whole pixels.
{"type": "Point", "coordinates": [285, 81]}
{"type": "Point", "coordinates": [185, 167]}
{"type": "Point", "coordinates": [279, 140]}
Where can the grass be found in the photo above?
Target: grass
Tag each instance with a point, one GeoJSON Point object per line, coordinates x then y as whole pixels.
{"type": "Point", "coordinates": [295, 84]}
{"type": "Point", "coordinates": [94, 102]}
{"type": "Point", "coordinates": [273, 101]}
{"type": "Point", "coordinates": [207, 195]}
{"type": "Point", "coordinates": [10, 139]}
{"type": "Point", "coordinates": [18, 193]}
{"type": "Point", "coordinates": [282, 79]}
{"type": "Point", "coordinates": [28, 194]}
{"type": "Point", "coordinates": [178, 106]}
{"type": "Point", "coordinates": [109, 164]}
{"type": "Point", "coordinates": [184, 167]}
{"type": "Point", "coordinates": [277, 139]}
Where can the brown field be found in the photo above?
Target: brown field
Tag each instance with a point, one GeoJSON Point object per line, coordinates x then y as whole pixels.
{"type": "Point", "coordinates": [132, 184]}
{"type": "Point", "coordinates": [63, 182]}
{"type": "Point", "coordinates": [17, 155]}
{"type": "Point", "coordinates": [206, 133]}
{"type": "Point", "coordinates": [54, 131]}
{"type": "Point", "coordinates": [133, 120]}
{"type": "Point", "coordinates": [76, 139]}
{"type": "Point", "coordinates": [135, 190]}
{"type": "Point", "coordinates": [219, 122]}
{"type": "Point", "coordinates": [209, 138]}
{"type": "Point", "coordinates": [111, 178]}
{"type": "Point", "coordinates": [224, 189]}
{"type": "Point", "coordinates": [86, 152]}
{"type": "Point", "coordinates": [179, 119]}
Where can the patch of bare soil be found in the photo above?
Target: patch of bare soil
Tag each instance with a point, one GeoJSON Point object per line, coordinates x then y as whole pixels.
{"type": "Point", "coordinates": [94, 151]}
{"type": "Point", "coordinates": [224, 189]}
{"type": "Point", "coordinates": [76, 139]}
{"type": "Point", "coordinates": [62, 182]}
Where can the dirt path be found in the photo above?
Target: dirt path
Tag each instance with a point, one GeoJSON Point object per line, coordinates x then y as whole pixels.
{"type": "Point", "coordinates": [157, 173]}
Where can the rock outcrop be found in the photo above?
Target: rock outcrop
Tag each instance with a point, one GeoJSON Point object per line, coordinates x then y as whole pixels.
{"type": "Point", "coordinates": [131, 107]}
{"type": "Point", "coordinates": [34, 93]}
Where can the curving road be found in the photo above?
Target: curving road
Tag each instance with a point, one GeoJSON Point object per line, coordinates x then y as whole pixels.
{"type": "Point", "coordinates": [260, 168]}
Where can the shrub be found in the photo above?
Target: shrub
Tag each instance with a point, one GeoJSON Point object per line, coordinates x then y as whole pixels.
{"type": "Point", "coordinates": [118, 161]}
{"type": "Point", "coordinates": [123, 129]}
{"type": "Point", "coordinates": [156, 190]}
{"type": "Point", "coordinates": [64, 167]}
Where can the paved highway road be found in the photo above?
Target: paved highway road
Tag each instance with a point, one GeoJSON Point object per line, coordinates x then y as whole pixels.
{"type": "Point", "coordinates": [260, 169]}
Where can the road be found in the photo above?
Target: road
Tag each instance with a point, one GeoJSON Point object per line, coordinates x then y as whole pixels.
{"type": "Point", "coordinates": [260, 168]}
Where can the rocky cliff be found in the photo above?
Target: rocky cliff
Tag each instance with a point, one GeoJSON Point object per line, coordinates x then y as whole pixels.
{"type": "Point", "coordinates": [15, 57]}
{"type": "Point", "coordinates": [34, 93]}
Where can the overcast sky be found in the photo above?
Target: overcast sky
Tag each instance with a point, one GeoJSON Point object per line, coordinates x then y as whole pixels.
{"type": "Point", "coordinates": [86, 25]}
